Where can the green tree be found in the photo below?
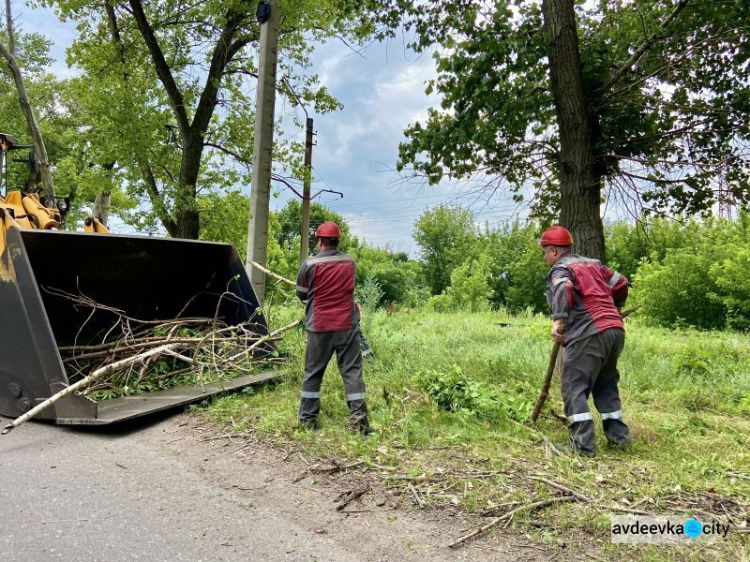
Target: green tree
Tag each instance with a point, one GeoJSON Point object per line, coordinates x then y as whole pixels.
{"type": "Point", "coordinates": [648, 100]}
{"type": "Point", "coordinates": [48, 95]}
{"type": "Point", "coordinates": [681, 291]}
{"type": "Point", "coordinates": [290, 219]}
{"type": "Point", "coordinates": [470, 289]}
{"type": "Point", "coordinates": [397, 276]}
{"type": "Point", "coordinates": [445, 236]}
{"type": "Point", "coordinates": [695, 274]}
{"type": "Point", "coordinates": [732, 280]}
{"type": "Point", "coordinates": [166, 98]}
{"type": "Point", "coordinates": [518, 271]}
{"type": "Point", "coordinates": [627, 245]}
{"type": "Point", "coordinates": [224, 218]}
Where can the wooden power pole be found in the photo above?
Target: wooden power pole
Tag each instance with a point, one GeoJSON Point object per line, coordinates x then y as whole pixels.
{"type": "Point", "coordinates": [305, 241]}
{"type": "Point", "coordinates": [269, 12]}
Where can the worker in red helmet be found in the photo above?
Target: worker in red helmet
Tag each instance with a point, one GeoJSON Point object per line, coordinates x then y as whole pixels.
{"type": "Point", "coordinates": [586, 297]}
{"type": "Point", "coordinates": [326, 283]}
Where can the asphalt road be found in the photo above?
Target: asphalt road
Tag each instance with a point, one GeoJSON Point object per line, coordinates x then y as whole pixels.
{"type": "Point", "coordinates": [82, 496]}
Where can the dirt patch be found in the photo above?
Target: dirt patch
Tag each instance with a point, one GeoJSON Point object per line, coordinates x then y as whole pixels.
{"type": "Point", "coordinates": [352, 509]}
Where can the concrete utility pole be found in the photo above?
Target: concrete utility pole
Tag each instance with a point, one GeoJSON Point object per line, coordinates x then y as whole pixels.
{"type": "Point", "coordinates": [269, 12]}
{"type": "Point", "coordinates": [305, 241]}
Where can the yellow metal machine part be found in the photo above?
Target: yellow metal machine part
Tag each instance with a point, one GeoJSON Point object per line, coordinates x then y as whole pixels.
{"type": "Point", "coordinates": [26, 211]}
{"type": "Point", "coordinates": [93, 224]}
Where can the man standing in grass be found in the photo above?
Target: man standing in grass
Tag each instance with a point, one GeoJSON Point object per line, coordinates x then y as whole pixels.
{"type": "Point", "coordinates": [586, 298]}
{"type": "Point", "coordinates": [326, 282]}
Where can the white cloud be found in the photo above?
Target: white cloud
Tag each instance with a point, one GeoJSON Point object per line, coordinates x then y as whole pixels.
{"type": "Point", "coordinates": [402, 100]}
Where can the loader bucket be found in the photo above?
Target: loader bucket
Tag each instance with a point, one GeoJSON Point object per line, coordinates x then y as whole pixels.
{"type": "Point", "coordinates": [146, 278]}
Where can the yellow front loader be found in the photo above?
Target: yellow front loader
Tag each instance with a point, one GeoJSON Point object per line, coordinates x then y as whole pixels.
{"type": "Point", "coordinates": [143, 277]}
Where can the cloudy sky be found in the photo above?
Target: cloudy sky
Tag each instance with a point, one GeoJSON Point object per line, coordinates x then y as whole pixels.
{"type": "Point", "coordinates": [382, 90]}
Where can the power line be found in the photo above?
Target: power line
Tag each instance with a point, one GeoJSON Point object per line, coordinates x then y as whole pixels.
{"type": "Point", "coordinates": [415, 198]}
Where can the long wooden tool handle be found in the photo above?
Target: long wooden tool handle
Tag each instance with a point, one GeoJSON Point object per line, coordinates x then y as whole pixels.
{"type": "Point", "coordinates": [547, 382]}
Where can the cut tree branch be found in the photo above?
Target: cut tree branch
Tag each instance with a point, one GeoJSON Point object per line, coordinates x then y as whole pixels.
{"type": "Point", "coordinates": [112, 367]}
{"type": "Point", "coordinates": [272, 274]}
{"type": "Point", "coordinates": [509, 515]}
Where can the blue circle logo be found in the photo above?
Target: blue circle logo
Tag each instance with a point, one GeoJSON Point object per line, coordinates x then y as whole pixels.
{"type": "Point", "coordinates": [693, 528]}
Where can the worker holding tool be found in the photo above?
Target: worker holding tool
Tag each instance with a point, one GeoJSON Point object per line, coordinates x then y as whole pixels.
{"type": "Point", "coordinates": [326, 282]}
{"type": "Point", "coordinates": [586, 298]}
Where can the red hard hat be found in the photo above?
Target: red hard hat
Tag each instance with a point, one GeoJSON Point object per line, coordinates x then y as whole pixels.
{"type": "Point", "coordinates": [556, 236]}
{"type": "Point", "coordinates": [328, 230]}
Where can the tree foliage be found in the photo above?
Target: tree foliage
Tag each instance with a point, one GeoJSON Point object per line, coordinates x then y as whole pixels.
{"type": "Point", "coordinates": [48, 96]}
{"type": "Point", "coordinates": [665, 90]}
{"type": "Point", "coordinates": [39, 165]}
{"type": "Point", "coordinates": [166, 102]}
{"type": "Point", "coordinates": [445, 236]}
{"type": "Point", "coordinates": [688, 274]}
{"type": "Point", "coordinates": [290, 221]}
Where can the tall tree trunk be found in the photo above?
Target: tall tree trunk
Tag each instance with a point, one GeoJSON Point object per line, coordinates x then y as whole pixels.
{"type": "Point", "coordinates": [192, 133]}
{"type": "Point", "coordinates": [580, 179]}
{"type": "Point", "coordinates": [40, 150]}
{"type": "Point", "coordinates": [188, 220]}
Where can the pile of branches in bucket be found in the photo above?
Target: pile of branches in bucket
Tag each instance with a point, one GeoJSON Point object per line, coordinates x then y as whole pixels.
{"type": "Point", "coordinates": [135, 355]}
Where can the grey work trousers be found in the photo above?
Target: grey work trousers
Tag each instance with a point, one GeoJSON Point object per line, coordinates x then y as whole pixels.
{"type": "Point", "coordinates": [320, 349]}
{"type": "Point", "coordinates": [590, 368]}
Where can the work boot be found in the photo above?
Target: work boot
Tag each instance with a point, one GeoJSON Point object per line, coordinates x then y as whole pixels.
{"type": "Point", "coordinates": [360, 424]}
{"type": "Point", "coordinates": [363, 430]}
{"type": "Point", "coordinates": [616, 432]}
{"type": "Point", "coordinates": [615, 446]}
{"type": "Point", "coordinates": [311, 425]}
{"type": "Point", "coordinates": [569, 447]}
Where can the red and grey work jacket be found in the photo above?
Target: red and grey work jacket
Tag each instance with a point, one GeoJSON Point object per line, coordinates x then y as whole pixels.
{"type": "Point", "coordinates": [586, 295]}
{"type": "Point", "coordinates": [326, 282]}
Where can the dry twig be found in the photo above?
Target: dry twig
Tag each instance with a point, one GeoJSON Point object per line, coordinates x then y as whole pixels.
{"type": "Point", "coordinates": [347, 497]}
{"type": "Point", "coordinates": [509, 515]}
{"type": "Point", "coordinates": [558, 486]}
{"type": "Point", "coordinates": [415, 496]}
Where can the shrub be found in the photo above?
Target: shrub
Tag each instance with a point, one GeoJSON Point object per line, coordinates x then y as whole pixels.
{"type": "Point", "coordinates": [692, 365]}
{"type": "Point", "coordinates": [733, 282]}
{"type": "Point", "coordinates": [454, 391]}
{"type": "Point", "coordinates": [469, 289]}
{"type": "Point", "coordinates": [680, 291]}
{"type": "Point", "coordinates": [369, 293]}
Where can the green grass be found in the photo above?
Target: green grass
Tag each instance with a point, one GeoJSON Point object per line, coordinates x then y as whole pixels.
{"type": "Point", "coordinates": [686, 397]}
